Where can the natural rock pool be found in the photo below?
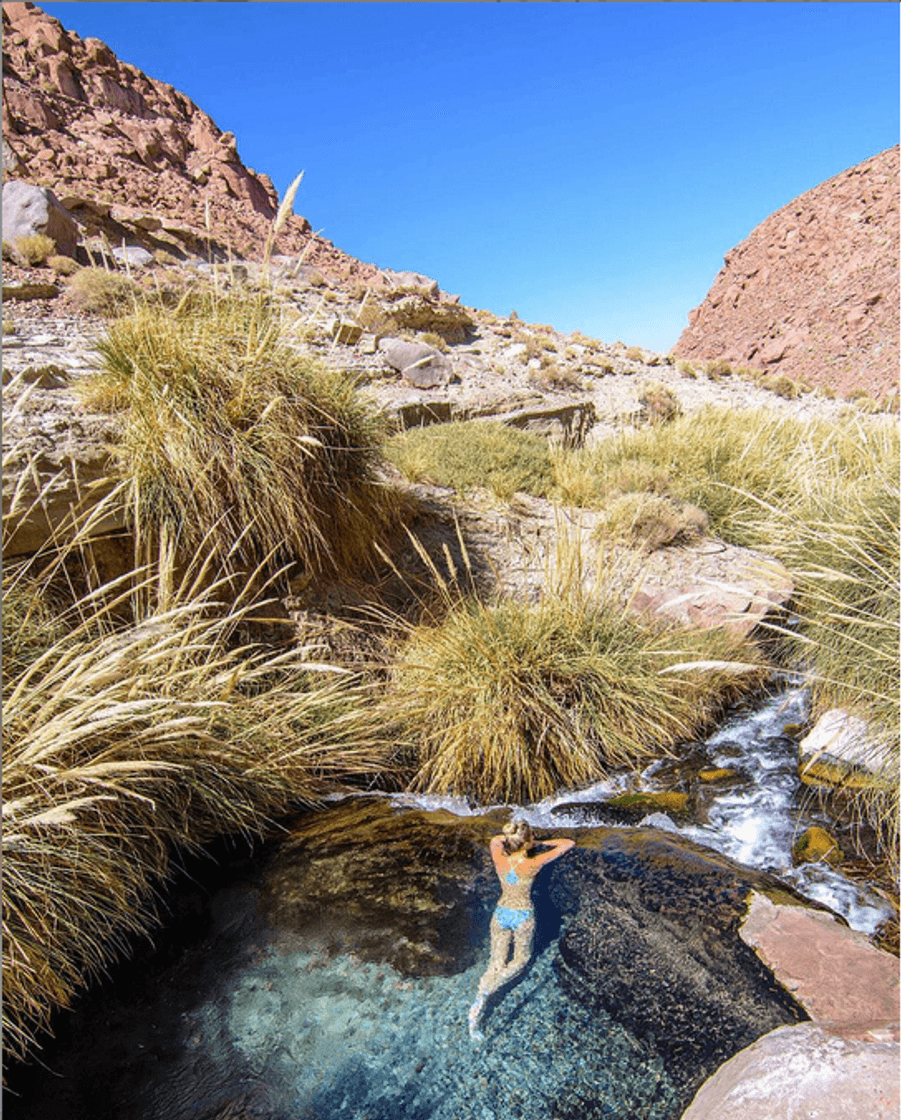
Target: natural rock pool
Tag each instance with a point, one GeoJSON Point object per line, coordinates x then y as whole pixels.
{"type": "Point", "coordinates": [329, 975]}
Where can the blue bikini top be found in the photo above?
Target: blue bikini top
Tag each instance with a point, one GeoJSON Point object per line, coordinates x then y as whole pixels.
{"type": "Point", "coordinates": [511, 877]}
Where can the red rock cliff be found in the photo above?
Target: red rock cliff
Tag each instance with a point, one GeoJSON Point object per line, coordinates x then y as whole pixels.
{"type": "Point", "coordinates": [125, 152]}
{"type": "Point", "coordinates": [813, 291]}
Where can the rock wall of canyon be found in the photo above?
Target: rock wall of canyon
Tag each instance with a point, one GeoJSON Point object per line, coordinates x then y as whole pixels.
{"type": "Point", "coordinates": [812, 292]}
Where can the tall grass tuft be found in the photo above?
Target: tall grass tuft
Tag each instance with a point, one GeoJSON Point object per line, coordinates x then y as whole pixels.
{"type": "Point", "coordinates": [844, 556]}
{"type": "Point", "coordinates": [125, 742]}
{"type": "Point", "coordinates": [229, 434]}
{"type": "Point", "coordinates": [726, 461]}
{"type": "Point", "coordinates": [515, 701]}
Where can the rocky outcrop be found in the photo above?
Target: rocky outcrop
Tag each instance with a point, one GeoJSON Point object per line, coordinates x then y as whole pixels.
{"type": "Point", "coordinates": [812, 292]}
{"type": "Point", "coordinates": [844, 1065]}
{"type": "Point", "coordinates": [30, 210]}
{"type": "Point", "coordinates": [839, 750]}
{"type": "Point", "coordinates": [835, 973]}
{"type": "Point", "coordinates": [798, 1072]}
{"type": "Point", "coordinates": [649, 973]}
{"type": "Point", "coordinates": [57, 474]}
{"type": "Point", "coordinates": [131, 158]}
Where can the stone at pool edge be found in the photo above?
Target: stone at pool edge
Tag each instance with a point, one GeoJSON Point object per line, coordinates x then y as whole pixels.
{"type": "Point", "coordinates": [797, 1072]}
{"type": "Point", "coordinates": [838, 977]}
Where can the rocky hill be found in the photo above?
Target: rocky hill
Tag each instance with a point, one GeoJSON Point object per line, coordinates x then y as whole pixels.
{"type": "Point", "coordinates": [132, 158]}
{"type": "Point", "coordinates": [813, 291]}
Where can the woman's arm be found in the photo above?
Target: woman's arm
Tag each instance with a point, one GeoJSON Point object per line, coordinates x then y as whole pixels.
{"type": "Point", "coordinates": [496, 847]}
{"type": "Point", "coordinates": [553, 850]}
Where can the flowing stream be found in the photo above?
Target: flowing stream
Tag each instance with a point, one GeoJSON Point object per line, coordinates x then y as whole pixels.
{"type": "Point", "coordinates": [281, 1009]}
{"type": "Point", "coordinates": [755, 821]}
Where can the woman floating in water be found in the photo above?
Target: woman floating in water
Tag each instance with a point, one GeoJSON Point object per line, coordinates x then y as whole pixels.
{"type": "Point", "coordinates": [517, 860]}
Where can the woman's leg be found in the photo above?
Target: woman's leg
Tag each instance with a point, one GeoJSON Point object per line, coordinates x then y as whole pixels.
{"type": "Point", "coordinates": [499, 972]}
{"type": "Point", "coordinates": [500, 947]}
{"type": "Point", "coordinates": [501, 939]}
{"type": "Point", "coordinates": [523, 937]}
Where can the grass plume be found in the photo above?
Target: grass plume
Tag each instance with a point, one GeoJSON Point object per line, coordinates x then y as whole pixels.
{"type": "Point", "coordinates": [125, 743]}
{"type": "Point", "coordinates": [229, 434]}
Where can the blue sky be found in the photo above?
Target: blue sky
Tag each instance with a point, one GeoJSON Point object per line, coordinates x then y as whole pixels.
{"type": "Point", "coordinates": [587, 165]}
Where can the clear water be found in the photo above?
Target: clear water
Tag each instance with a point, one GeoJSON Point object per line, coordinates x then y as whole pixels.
{"type": "Point", "coordinates": [349, 1040]}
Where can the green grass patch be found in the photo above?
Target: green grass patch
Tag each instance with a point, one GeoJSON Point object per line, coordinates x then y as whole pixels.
{"type": "Point", "coordinates": [474, 453]}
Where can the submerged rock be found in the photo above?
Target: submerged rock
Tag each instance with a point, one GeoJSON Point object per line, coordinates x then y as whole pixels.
{"type": "Point", "coordinates": [654, 942]}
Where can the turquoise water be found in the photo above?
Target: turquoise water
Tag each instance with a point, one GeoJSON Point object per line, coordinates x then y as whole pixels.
{"type": "Point", "coordinates": [349, 1040]}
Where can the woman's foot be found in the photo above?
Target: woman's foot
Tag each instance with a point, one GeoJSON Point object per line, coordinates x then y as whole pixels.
{"type": "Point", "coordinates": [475, 1013]}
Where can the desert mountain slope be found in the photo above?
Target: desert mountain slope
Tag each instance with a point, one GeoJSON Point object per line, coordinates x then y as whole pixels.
{"type": "Point", "coordinates": [811, 293]}
{"type": "Point", "coordinates": [131, 157]}
{"type": "Point", "coordinates": [813, 290]}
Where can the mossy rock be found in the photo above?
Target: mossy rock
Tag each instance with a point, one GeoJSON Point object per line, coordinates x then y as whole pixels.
{"type": "Point", "coordinates": [816, 845]}
{"type": "Point", "coordinates": [718, 774]}
{"type": "Point", "coordinates": [835, 774]}
{"type": "Point", "coordinates": [646, 802]}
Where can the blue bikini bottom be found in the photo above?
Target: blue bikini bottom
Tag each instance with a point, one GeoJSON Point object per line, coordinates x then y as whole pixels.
{"type": "Point", "coordinates": [511, 919]}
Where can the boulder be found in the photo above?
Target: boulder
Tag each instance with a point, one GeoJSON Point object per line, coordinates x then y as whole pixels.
{"type": "Point", "coordinates": [816, 844]}
{"type": "Point", "coordinates": [834, 972]}
{"type": "Point", "coordinates": [410, 282]}
{"type": "Point", "coordinates": [837, 749]}
{"type": "Point", "coordinates": [803, 1071]}
{"type": "Point", "coordinates": [345, 331]}
{"type": "Point", "coordinates": [420, 365]}
{"type": "Point", "coordinates": [133, 256]}
{"type": "Point", "coordinates": [30, 210]}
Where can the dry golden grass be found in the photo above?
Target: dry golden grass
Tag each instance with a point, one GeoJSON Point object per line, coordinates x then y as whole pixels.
{"type": "Point", "coordinates": [34, 249]}
{"type": "Point", "coordinates": [125, 742]}
{"type": "Point", "coordinates": [101, 292]}
{"type": "Point", "coordinates": [137, 720]}
{"type": "Point", "coordinates": [230, 435]}
{"type": "Point", "coordinates": [473, 453]}
{"type": "Point", "coordinates": [63, 266]}
{"type": "Point", "coordinates": [514, 701]}
{"type": "Point", "coordinates": [651, 522]}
